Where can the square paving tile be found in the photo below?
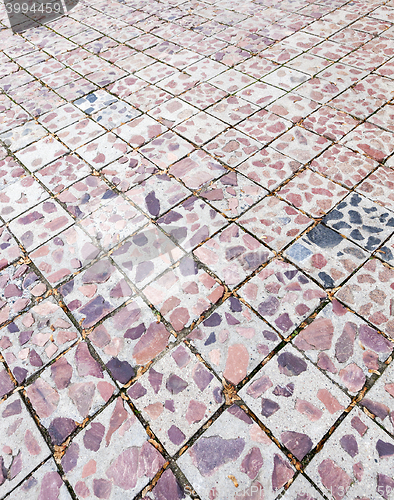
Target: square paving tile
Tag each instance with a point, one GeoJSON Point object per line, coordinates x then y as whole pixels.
{"type": "Point", "coordinates": [130, 338]}
{"type": "Point", "coordinates": [344, 346]}
{"type": "Point", "coordinates": [62, 172]}
{"type": "Point", "coordinates": [64, 255]}
{"type": "Point", "coordinates": [370, 140]}
{"type": "Point", "coordinates": [232, 110]}
{"type": "Point", "coordinates": [231, 81]}
{"type": "Point", "coordinates": [35, 338]}
{"type": "Point", "coordinates": [9, 248]}
{"type": "Point", "coordinates": [201, 128]}
{"type": "Point", "coordinates": [191, 222]}
{"type": "Point", "coordinates": [275, 222]}
{"type": "Point", "coordinates": [172, 112]}
{"type": "Point", "coordinates": [41, 153]}
{"type": "Point", "coordinates": [343, 165]}
{"type": "Point", "coordinates": [140, 130]}
{"type": "Point", "coordinates": [148, 98]}
{"type": "Point", "coordinates": [166, 150]}
{"type": "Point", "coordinates": [203, 95]}
{"type": "Point", "coordinates": [282, 295]}
{"type": "Point", "coordinates": [367, 293]}
{"type": "Point", "coordinates": [386, 252]}
{"type": "Point", "coordinates": [85, 196]}
{"type": "Point", "coordinates": [301, 144]}
{"type": "Point", "coordinates": [257, 465]}
{"type": "Point", "coordinates": [302, 489]}
{"type": "Point", "coordinates": [261, 94]}
{"type": "Point", "coordinates": [95, 292]}
{"type": "Point", "coordinates": [312, 193]}
{"type": "Point", "coordinates": [362, 221]}
{"type": "Point", "coordinates": [95, 101]}
{"type": "Point", "coordinates": [40, 223]}
{"type": "Point", "coordinates": [330, 123]}
{"type": "Point", "coordinates": [197, 169]}
{"type": "Point", "coordinates": [115, 115]}
{"type": "Point", "coordinates": [103, 150]}
{"type": "Point", "coordinates": [80, 133]}
{"type": "Point", "coordinates": [146, 255]}
{"type": "Point", "coordinates": [294, 400]}
{"type": "Point", "coordinates": [183, 293]}
{"type": "Point", "coordinates": [264, 126]}
{"type": "Point", "coordinates": [379, 187]}
{"type": "Point", "coordinates": [175, 421]}
{"type": "Point", "coordinates": [221, 340]}
{"type": "Point", "coordinates": [232, 194]}
{"type": "Point", "coordinates": [315, 254]}
{"type": "Point", "coordinates": [356, 462]}
{"type": "Point", "coordinates": [233, 255]}
{"type": "Point", "coordinates": [22, 444]}
{"type": "Point", "coordinates": [129, 461]}
{"type": "Point", "coordinates": [285, 78]}
{"type": "Point", "coordinates": [233, 147]}
{"type": "Point", "coordinates": [157, 194]}
{"type": "Point", "coordinates": [293, 107]}
{"type": "Point", "coordinates": [129, 170]}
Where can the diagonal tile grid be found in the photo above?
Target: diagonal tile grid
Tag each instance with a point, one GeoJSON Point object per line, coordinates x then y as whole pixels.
{"type": "Point", "coordinates": [197, 251]}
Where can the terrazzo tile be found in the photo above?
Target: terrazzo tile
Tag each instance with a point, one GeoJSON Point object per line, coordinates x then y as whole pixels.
{"type": "Point", "coordinates": [232, 110]}
{"type": "Point", "coordinates": [386, 251]}
{"type": "Point", "coordinates": [40, 223]}
{"type": "Point", "coordinates": [344, 346]}
{"type": "Point", "coordinates": [129, 170]}
{"type": "Point", "coordinates": [356, 103]}
{"type": "Point", "coordinates": [362, 221]}
{"type": "Point", "coordinates": [285, 78]}
{"type": "Point", "coordinates": [148, 98]}
{"type": "Point", "coordinates": [282, 295]}
{"type": "Point", "coordinates": [166, 150]}
{"type": "Point", "coordinates": [343, 165]}
{"type": "Point", "coordinates": [115, 115]}
{"type": "Point", "coordinates": [155, 72]}
{"type": "Point", "coordinates": [140, 130]}
{"type": "Point", "coordinates": [256, 66]}
{"type": "Point", "coordinates": [125, 86]}
{"type": "Point", "coordinates": [357, 461]}
{"type": "Point", "coordinates": [293, 107]}
{"type": "Point", "coordinates": [383, 118]}
{"type": "Point", "coordinates": [231, 81]}
{"type": "Point", "coordinates": [311, 192]}
{"type": "Point", "coordinates": [251, 459]}
{"type": "Point", "coordinates": [182, 294]}
{"type": "Point", "coordinates": [197, 169]}
{"type": "Point", "coordinates": [103, 150]}
{"type": "Point", "coordinates": [173, 112]}
{"type": "Point", "coordinates": [225, 349]}
{"type": "Point", "coordinates": [269, 168]}
{"type": "Point", "coordinates": [294, 400]}
{"type": "Point", "coordinates": [275, 222]}
{"type": "Point", "coordinates": [264, 126]}
{"type": "Point", "coordinates": [203, 95]}
{"type": "Point", "coordinates": [301, 144]}
{"type": "Point", "coordinates": [205, 69]}
{"type": "Point", "coordinates": [261, 94]}
{"type": "Point", "coordinates": [370, 140]}
{"type": "Point", "coordinates": [191, 222]}
{"type": "Point", "coordinates": [19, 285]}
{"type": "Point", "coordinates": [22, 444]}
{"type": "Point", "coordinates": [201, 128]}
{"type": "Point", "coordinates": [61, 117]}
{"type": "Point", "coordinates": [20, 196]}
{"type": "Point", "coordinates": [315, 254]}
{"type": "Point", "coordinates": [60, 173]}
{"type": "Point", "coordinates": [80, 133]}
{"type": "Point", "coordinates": [76, 89]}
{"type": "Point", "coordinates": [233, 255]}
{"type": "Point", "coordinates": [130, 338]}
{"type": "Point", "coordinates": [370, 300]}
{"type": "Point", "coordinates": [157, 194]}
{"type": "Point", "coordinates": [379, 187]}
{"type": "Point", "coordinates": [130, 461]}
{"type": "Point", "coordinates": [85, 196]}
{"type": "Point", "coordinates": [35, 338]}
{"type": "Point", "coordinates": [64, 255]}
{"type": "Point", "coordinates": [22, 136]}
{"type": "Point", "coordinates": [232, 147]}
{"type": "Point", "coordinates": [9, 248]}
{"type": "Point", "coordinates": [330, 123]}
{"type": "Point", "coordinates": [74, 387]}
{"type": "Point", "coordinates": [146, 255]}
{"type": "Point", "coordinates": [178, 83]}
{"type": "Point", "coordinates": [232, 194]}
{"type": "Point", "coordinates": [302, 489]}
{"type": "Point", "coordinates": [170, 376]}
{"type": "Point", "coordinates": [87, 294]}
{"type": "Point", "coordinates": [41, 153]}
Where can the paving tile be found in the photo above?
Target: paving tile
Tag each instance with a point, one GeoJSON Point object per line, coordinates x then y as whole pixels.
{"type": "Point", "coordinates": [178, 83]}
{"type": "Point", "coordinates": [61, 117]}
{"type": "Point", "coordinates": [261, 94]}
{"type": "Point", "coordinates": [115, 115]}
{"type": "Point", "coordinates": [203, 95]}
{"type": "Point", "coordinates": [205, 69]}
{"type": "Point", "coordinates": [126, 86]}
{"type": "Point", "coordinates": [20, 196]}
{"type": "Point", "coordinates": [103, 150]}
{"type": "Point", "coordinates": [370, 300]}
{"type": "Point", "coordinates": [275, 222]}
{"type": "Point", "coordinates": [293, 107]}
{"type": "Point", "coordinates": [232, 110]}
{"type": "Point", "coordinates": [140, 130]}
{"type": "Point", "coordinates": [148, 98]}
{"type": "Point", "coordinates": [344, 346]}
{"type": "Point", "coordinates": [256, 66]}
{"type": "Point", "coordinates": [285, 78]}
{"type": "Point", "coordinates": [318, 90]}
{"type": "Point", "coordinates": [370, 140]}
{"type": "Point", "coordinates": [170, 376]}
{"type": "Point", "coordinates": [343, 165]}
{"type": "Point", "coordinates": [80, 133]}
{"type": "Point", "coordinates": [130, 338]}
{"type": "Point", "coordinates": [264, 126]}
{"type": "Point", "coordinates": [378, 187]}
{"type": "Point", "coordinates": [85, 196]}
{"type": "Point", "coordinates": [358, 457]}
{"type": "Point", "coordinates": [155, 72]}
{"type": "Point", "coordinates": [87, 294]}
{"type": "Point", "coordinates": [232, 147]}
{"type": "Point", "coordinates": [315, 254]}
{"type": "Point", "coordinates": [308, 63]}
{"type": "Point", "coordinates": [35, 338]}
{"type": "Point", "coordinates": [182, 294]}
{"type": "Point", "coordinates": [226, 350]}
{"type": "Point", "coordinates": [51, 256]}
{"type": "Point", "coordinates": [76, 89]}
{"type": "Point", "coordinates": [74, 387]}
{"type": "Point", "coordinates": [311, 192]}
{"type": "Point", "coordinates": [231, 81]}
{"type": "Point", "coordinates": [386, 251]}
{"type": "Point", "coordinates": [10, 172]}
{"type": "Point", "coordinates": [172, 112]}
{"type": "Point", "coordinates": [201, 128]}
{"type": "Point", "coordinates": [19, 286]}
{"type": "Point", "coordinates": [362, 221]}
{"type": "Point", "coordinates": [126, 446]}
{"type": "Point", "coordinates": [22, 444]}
{"type": "Point", "coordinates": [166, 150]}
{"type": "Point", "coordinates": [40, 223]}
{"type": "Point", "coordinates": [301, 488]}
{"type": "Point", "coordinates": [9, 248]}
{"type": "Point", "coordinates": [157, 194]}
{"type": "Point", "coordinates": [233, 255]}
{"type": "Point", "coordinates": [22, 136]}
{"type": "Point", "coordinates": [330, 123]}
{"type": "Point", "coordinates": [232, 194]}
{"type": "Point", "coordinates": [41, 153]}
{"type": "Point", "coordinates": [146, 255]}
{"type": "Point", "coordinates": [197, 169]}
{"type": "Point", "coordinates": [282, 295]}
{"type": "Point", "coordinates": [209, 470]}
{"type": "Point", "coordinates": [294, 400]}
{"type": "Point", "coordinates": [58, 174]}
